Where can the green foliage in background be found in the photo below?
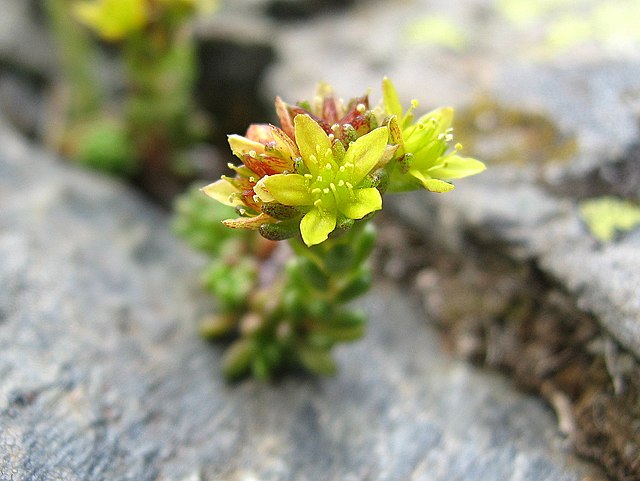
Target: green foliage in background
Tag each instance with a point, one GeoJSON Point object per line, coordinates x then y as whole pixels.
{"type": "Point", "coordinates": [149, 126]}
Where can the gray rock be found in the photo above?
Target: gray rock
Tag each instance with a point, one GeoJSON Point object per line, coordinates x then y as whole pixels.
{"type": "Point", "coordinates": [23, 41]}
{"type": "Point", "coordinates": [104, 377]}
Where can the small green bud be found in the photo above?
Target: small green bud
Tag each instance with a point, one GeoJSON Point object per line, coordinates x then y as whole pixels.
{"type": "Point", "coordinates": [342, 333]}
{"type": "Point", "coordinates": [293, 303]}
{"type": "Point", "coordinates": [318, 361]}
{"type": "Point", "coordinates": [357, 286]}
{"type": "Point", "coordinates": [364, 244]}
{"type": "Point", "coordinates": [280, 211]}
{"type": "Point", "coordinates": [349, 318]}
{"type": "Point", "coordinates": [260, 367]}
{"type": "Point", "coordinates": [339, 258]}
{"type": "Point", "coordinates": [237, 360]}
{"type": "Point", "coordinates": [338, 150]}
{"type": "Point", "coordinates": [319, 309]}
{"type": "Point", "coordinates": [213, 327]}
{"type": "Point", "coordinates": [404, 162]}
{"type": "Point", "coordinates": [379, 179]}
{"type": "Point", "coordinates": [313, 275]}
{"type": "Point", "coordinates": [280, 230]}
{"type": "Point", "coordinates": [343, 224]}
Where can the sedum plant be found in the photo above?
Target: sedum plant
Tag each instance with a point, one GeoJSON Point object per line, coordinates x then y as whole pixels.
{"type": "Point", "coordinates": [315, 180]}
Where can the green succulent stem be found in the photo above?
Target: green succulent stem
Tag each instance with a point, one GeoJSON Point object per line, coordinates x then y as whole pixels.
{"type": "Point", "coordinates": [77, 61]}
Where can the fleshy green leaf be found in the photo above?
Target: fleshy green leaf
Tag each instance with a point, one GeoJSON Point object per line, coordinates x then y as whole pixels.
{"type": "Point", "coordinates": [313, 143]}
{"type": "Point", "coordinates": [287, 189]}
{"type": "Point", "coordinates": [365, 153]}
{"type": "Point", "coordinates": [361, 203]}
{"type": "Point", "coordinates": [316, 226]}
{"type": "Point", "coordinates": [456, 167]}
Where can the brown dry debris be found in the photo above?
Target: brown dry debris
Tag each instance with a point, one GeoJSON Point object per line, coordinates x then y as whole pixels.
{"type": "Point", "coordinates": [509, 316]}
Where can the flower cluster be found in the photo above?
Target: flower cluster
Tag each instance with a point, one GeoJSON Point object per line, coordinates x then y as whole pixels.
{"type": "Point", "coordinates": [328, 165]}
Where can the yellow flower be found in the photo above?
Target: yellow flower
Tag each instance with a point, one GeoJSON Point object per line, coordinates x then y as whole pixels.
{"type": "Point", "coordinates": [333, 186]}
{"type": "Point", "coordinates": [423, 147]}
{"type": "Point", "coordinates": [113, 19]}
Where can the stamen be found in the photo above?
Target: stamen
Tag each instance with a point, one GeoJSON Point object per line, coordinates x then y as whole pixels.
{"type": "Point", "coordinates": [317, 202]}
{"type": "Point", "coordinates": [333, 188]}
{"type": "Point", "coordinates": [361, 108]}
{"type": "Point", "coordinates": [316, 191]}
{"type": "Point", "coordinates": [349, 185]}
{"type": "Point", "coordinates": [342, 169]}
{"type": "Point", "coordinates": [308, 176]}
{"type": "Point", "coordinates": [328, 166]}
{"type": "Point", "coordinates": [252, 179]}
{"type": "Point", "coordinates": [341, 183]}
{"type": "Point", "coordinates": [325, 190]}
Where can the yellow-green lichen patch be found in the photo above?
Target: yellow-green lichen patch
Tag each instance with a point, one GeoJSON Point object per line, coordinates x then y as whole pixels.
{"type": "Point", "coordinates": [436, 30]}
{"type": "Point", "coordinates": [607, 216]}
{"type": "Point", "coordinates": [502, 135]}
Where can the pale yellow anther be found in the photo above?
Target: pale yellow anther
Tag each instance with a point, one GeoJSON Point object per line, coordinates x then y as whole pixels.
{"type": "Point", "coordinates": [325, 190]}
{"type": "Point", "coordinates": [341, 183]}
{"type": "Point", "coordinates": [333, 188]}
{"type": "Point", "coordinates": [328, 166]}
{"type": "Point", "coordinates": [308, 176]}
{"type": "Point", "coordinates": [361, 108]}
{"type": "Point", "coordinates": [349, 185]}
{"type": "Point", "coordinates": [316, 191]}
{"type": "Point", "coordinates": [317, 202]}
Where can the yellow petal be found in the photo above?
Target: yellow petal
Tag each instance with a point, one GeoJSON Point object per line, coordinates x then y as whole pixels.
{"type": "Point", "coordinates": [316, 226]}
{"type": "Point", "coordinates": [223, 192]}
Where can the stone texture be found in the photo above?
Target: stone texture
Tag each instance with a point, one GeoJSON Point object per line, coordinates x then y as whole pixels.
{"type": "Point", "coordinates": [104, 377]}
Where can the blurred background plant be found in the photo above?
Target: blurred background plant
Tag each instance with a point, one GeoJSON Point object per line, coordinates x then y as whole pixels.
{"type": "Point", "coordinates": [143, 129]}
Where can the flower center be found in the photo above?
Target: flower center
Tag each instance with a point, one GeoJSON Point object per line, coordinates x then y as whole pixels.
{"type": "Point", "coordinates": [331, 186]}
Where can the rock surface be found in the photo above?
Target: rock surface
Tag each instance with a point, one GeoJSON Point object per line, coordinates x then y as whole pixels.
{"type": "Point", "coordinates": [104, 376]}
